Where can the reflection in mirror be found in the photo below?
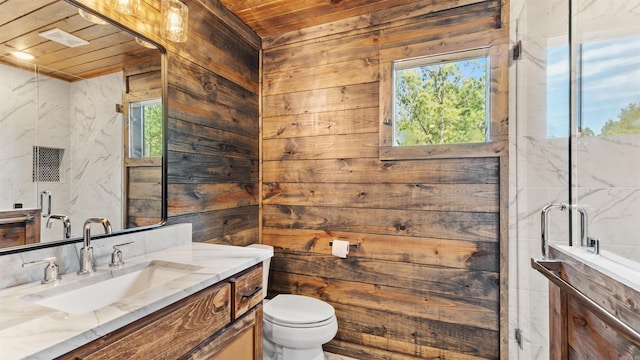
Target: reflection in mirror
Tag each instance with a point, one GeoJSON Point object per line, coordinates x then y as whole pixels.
{"type": "Point", "coordinates": [606, 179]}
{"type": "Point", "coordinates": [65, 148]}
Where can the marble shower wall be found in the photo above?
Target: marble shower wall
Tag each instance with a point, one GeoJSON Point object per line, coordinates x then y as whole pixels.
{"type": "Point", "coordinates": [78, 117]}
{"type": "Point", "coordinates": [17, 118]}
{"type": "Point", "coordinates": [608, 185]}
{"type": "Point", "coordinates": [53, 131]}
{"type": "Point", "coordinates": [96, 151]}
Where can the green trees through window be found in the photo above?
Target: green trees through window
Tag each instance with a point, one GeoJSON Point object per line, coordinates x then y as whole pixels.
{"type": "Point", "coordinates": [440, 103]}
{"type": "Point", "coordinates": [628, 123]}
{"type": "Point", "coordinates": [145, 128]}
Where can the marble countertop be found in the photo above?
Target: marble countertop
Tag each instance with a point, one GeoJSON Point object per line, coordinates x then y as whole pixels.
{"type": "Point", "coordinates": [31, 331]}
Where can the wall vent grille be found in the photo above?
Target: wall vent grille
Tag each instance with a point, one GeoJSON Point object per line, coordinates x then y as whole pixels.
{"type": "Point", "coordinates": [47, 163]}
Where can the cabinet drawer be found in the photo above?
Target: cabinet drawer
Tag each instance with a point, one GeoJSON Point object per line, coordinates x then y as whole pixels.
{"type": "Point", "coordinates": [246, 291]}
{"type": "Point", "coordinates": [171, 332]}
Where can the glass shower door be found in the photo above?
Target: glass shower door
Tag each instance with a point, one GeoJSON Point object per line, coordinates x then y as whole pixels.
{"type": "Point", "coordinates": [606, 173]}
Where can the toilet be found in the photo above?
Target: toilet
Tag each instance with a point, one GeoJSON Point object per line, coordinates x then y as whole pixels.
{"type": "Point", "coordinates": [294, 326]}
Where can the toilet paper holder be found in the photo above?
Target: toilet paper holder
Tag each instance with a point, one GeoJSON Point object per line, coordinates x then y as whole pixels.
{"type": "Point", "coordinates": [355, 246]}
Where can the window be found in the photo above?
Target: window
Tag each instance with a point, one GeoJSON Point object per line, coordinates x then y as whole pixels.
{"type": "Point", "coordinates": [145, 128]}
{"type": "Point", "coordinates": [441, 99]}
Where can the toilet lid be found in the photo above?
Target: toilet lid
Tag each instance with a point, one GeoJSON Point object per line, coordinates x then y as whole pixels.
{"type": "Point", "coordinates": [297, 309]}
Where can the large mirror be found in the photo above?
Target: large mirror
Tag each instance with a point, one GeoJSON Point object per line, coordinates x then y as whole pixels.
{"type": "Point", "coordinates": [82, 125]}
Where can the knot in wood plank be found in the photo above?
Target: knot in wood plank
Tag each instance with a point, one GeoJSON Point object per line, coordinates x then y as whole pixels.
{"type": "Point", "coordinates": [579, 320]}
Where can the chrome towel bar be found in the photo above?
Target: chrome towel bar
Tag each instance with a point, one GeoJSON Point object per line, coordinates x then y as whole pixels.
{"type": "Point", "coordinates": [14, 220]}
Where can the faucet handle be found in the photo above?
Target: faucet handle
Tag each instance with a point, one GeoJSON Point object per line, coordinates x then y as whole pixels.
{"type": "Point", "coordinates": [116, 256]}
{"type": "Point", "coordinates": [51, 273]}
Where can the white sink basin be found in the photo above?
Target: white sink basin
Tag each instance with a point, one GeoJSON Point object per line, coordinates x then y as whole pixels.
{"type": "Point", "coordinates": [102, 289]}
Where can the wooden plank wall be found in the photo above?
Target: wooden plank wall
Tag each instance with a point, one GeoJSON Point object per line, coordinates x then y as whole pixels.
{"type": "Point", "coordinates": [143, 176]}
{"type": "Point", "coordinates": [213, 131]}
{"type": "Point", "coordinates": [212, 95]}
{"type": "Point", "coordinates": [428, 279]}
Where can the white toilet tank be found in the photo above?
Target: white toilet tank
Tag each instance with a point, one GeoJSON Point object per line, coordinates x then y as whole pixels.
{"type": "Point", "coordinates": [265, 268]}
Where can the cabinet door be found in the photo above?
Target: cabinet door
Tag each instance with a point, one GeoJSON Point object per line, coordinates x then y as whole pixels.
{"type": "Point", "coordinates": [242, 340]}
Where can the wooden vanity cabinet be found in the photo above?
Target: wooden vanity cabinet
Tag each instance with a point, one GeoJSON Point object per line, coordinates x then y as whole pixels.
{"type": "Point", "coordinates": [19, 227]}
{"type": "Point", "coordinates": [198, 327]}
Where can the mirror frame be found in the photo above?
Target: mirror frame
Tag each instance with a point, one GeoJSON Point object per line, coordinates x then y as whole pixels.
{"type": "Point", "coordinates": [163, 202]}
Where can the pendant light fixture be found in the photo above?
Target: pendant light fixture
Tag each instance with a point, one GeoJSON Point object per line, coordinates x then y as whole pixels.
{"type": "Point", "coordinates": [175, 20]}
{"type": "Point", "coordinates": [90, 17]}
{"type": "Point", "coordinates": [127, 7]}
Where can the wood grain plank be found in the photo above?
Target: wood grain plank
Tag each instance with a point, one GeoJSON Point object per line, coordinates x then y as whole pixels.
{"type": "Point", "coordinates": [321, 53]}
{"type": "Point", "coordinates": [363, 70]}
{"type": "Point", "coordinates": [613, 295]}
{"type": "Point", "coordinates": [211, 87]}
{"type": "Point", "coordinates": [234, 58]}
{"type": "Point", "coordinates": [592, 338]}
{"type": "Point", "coordinates": [192, 198]}
{"type": "Point", "coordinates": [188, 107]}
{"type": "Point", "coordinates": [439, 197]}
{"type": "Point", "coordinates": [392, 348]}
{"type": "Point", "coordinates": [471, 284]}
{"type": "Point", "coordinates": [436, 171]}
{"type": "Point", "coordinates": [322, 147]}
{"type": "Point", "coordinates": [146, 191]}
{"type": "Point", "coordinates": [417, 303]}
{"type": "Point", "coordinates": [231, 20]}
{"type": "Point", "coordinates": [376, 328]}
{"type": "Point", "coordinates": [35, 19]}
{"type": "Point", "coordinates": [318, 100]}
{"type": "Point", "coordinates": [460, 21]}
{"type": "Point", "coordinates": [188, 137]}
{"type": "Point", "coordinates": [375, 19]}
{"type": "Point", "coordinates": [36, 45]}
{"type": "Point", "coordinates": [351, 121]}
{"type": "Point", "coordinates": [558, 347]}
{"type": "Point", "coordinates": [9, 9]}
{"type": "Point", "coordinates": [434, 252]}
{"type": "Point", "coordinates": [236, 226]}
{"type": "Point", "coordinates": [195, 168]}
{"type": "Point", "coordinates": [431, 224]}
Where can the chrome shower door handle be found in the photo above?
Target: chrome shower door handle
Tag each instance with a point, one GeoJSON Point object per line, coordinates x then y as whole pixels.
{"type": "Point", "coordinates": [544, 225]}
{"type": "Point", "coordinates": [42, 194]}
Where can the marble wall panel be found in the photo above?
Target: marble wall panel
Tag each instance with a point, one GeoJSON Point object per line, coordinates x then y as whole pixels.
{"type": "Point", "coordinates": [79, 118]}
{"type": "Point", "coordinates": [96, 150]}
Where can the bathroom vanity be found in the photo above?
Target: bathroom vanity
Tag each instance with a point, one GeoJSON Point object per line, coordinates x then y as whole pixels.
{"type": "Point", "coordinates": [19, 227]}
{"type": "Point", "coordinates": [194, 301]}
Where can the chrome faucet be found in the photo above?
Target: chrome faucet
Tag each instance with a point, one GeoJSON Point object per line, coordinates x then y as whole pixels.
{"type": "Point", "coordinates": [86, 253]}
{"type": "Point", "coordinates": [66, 223]}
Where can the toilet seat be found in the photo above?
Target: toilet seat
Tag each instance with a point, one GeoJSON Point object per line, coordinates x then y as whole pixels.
{"type": "Point", "coordinates": [298, 311]}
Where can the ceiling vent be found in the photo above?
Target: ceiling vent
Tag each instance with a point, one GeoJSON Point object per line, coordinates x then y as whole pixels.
{"type": "Point", "coordinates": [63, 37]}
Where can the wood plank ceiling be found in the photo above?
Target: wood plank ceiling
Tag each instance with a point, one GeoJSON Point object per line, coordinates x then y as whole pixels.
{"type": "Point", "coordinates": [21, 22]}
{"type": "Point", "coordinates": [275, 17]}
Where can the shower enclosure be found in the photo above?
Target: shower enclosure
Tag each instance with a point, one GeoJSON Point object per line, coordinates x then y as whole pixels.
{"type": "Point", "coordinates": [576, 139]}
